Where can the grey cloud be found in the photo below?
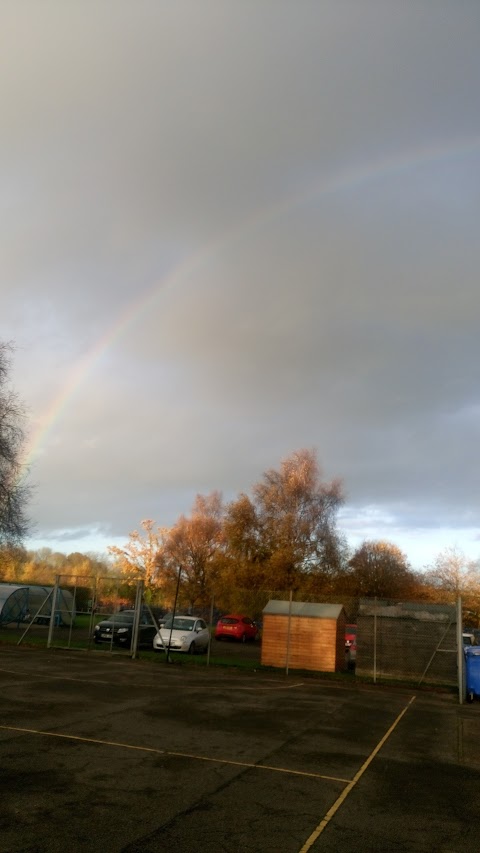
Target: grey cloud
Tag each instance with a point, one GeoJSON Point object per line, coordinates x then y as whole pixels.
{"type": "Point", "coordinates": [313, 309]}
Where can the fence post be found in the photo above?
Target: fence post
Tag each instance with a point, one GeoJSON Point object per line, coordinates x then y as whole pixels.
{"type": "Point", "coordinates": [288, 631]}
{"type": "Point", "coordinates": [460, 652]}
{"type": "Point", "coordinates": [93, 609]}
{"type": "Point", "coordinates": [375, 640]}
{"type": "Point", "coordinates": [168, 659]}
{"type": "Point", "coordinates": [32, 620]}
{"type": "Point", "coordinates": [136, 618]}
{"type": "Point", "coordinates": [72, 612]}
{"type": "Point", "coordinates": [52, 611]}
{"type": "Point", "coordinates": [211, 625]}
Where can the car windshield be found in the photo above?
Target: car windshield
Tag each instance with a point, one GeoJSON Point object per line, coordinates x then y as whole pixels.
{"type": "Point", "coordinates": [228, 620]}
{"type": "Point", "coordinates": [179, 624]}
{"type": "Point", "coordinates": [121, 617]}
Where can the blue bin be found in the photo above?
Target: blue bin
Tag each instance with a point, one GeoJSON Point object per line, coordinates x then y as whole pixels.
{"type": "Point", "coordinates": [472, 666]}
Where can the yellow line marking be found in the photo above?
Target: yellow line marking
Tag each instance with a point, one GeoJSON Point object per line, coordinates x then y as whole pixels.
{"type": "Point", "coordinates": [175, 754]}
{"type": "Point", "coordinates": [338, 802]}
{"type": "Point", "coordinates": [258, 687]}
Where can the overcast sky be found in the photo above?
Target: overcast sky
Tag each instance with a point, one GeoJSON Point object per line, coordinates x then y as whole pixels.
{"type": "Point", "coordinates": [230, 230]}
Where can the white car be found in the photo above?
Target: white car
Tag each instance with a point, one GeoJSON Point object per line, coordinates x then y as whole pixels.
{"type": "Point", "coordinates": [185, 634]}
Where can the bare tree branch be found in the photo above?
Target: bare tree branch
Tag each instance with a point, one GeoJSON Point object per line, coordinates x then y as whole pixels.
{"type": "Point", "coordinates": [14, 490]}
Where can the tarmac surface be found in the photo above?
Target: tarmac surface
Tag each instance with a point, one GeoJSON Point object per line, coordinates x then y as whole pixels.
{"type": "Point", "coordinates": [102, 753]}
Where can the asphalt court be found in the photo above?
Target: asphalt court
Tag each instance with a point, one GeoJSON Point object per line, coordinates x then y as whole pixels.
{"type": "Point", "coordinates": [101, 753]}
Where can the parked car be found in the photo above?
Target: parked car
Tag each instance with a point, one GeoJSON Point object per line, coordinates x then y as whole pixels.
{"type": "Point", "coordinates": [236, 627]}
{"type": "Point", "coordinates": [118, 629]}
{"type": "Point", "coordinates": [182, 634]}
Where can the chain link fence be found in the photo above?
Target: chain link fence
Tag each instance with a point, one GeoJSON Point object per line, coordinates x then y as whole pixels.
{"type": "Point", "coordinates": [407, 640]}
{"type": "Point", "coordinates": [412, 641]}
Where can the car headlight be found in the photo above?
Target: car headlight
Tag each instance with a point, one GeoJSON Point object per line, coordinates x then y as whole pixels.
{"type": "Point", "coordinates": [122, 630]}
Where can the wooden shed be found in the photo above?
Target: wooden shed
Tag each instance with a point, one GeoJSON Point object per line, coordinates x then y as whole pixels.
{"type": "Point", "coordinates": [304, 635]}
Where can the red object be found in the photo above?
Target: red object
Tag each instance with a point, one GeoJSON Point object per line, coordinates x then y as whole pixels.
{"type": "Point", "coordinates": [236, 626]}
{"type": "Point", "coordinates": [351, 637]}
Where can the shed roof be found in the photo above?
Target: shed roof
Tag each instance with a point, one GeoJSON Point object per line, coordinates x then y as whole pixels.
{"type": "Point", "coordinates": [303, 608]}
{"type": "Point", "coordinates": [408, 610]}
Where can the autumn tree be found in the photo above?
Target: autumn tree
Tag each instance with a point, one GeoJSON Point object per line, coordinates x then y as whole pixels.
{"type": "Point", "coordinates": [379, 568]}
{"type": "Point", "coordinates": [195, 544]}
{"type": "Point", "coordinates": [84, 565]}
{"type": "Point", "coordinates": [138, 559]}
{"type": "Point", "coordinates": [286, 532]}
{"type": "Point", "coordinates": [451, 572]}
{"type": "Point", "coordinates": [14, 492]}
{"type": "Point", "coordinates": [13, 562]}
{"type": "Point", "coordinates": [452, 575]}
{"type": "Point", "coordinates": [42, 566]}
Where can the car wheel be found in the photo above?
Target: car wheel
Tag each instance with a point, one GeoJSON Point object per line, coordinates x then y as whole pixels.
{"type": "Point", "coordinates": [192, 650]}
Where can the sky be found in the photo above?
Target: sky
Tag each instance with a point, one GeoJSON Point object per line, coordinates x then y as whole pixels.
{"type": "Point", "coordinates": [233, 230]}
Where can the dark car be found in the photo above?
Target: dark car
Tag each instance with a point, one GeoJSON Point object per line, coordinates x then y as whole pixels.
{"type": "Point", "coordinates": [118, 629]}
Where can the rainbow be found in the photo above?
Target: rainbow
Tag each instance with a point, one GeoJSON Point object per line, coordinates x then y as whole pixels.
{"type": "Point", "coordinates": [346, 180]}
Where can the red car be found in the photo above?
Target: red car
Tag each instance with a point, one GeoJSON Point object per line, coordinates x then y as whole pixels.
{"type": "Point", "coordinates": [237, 627]}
